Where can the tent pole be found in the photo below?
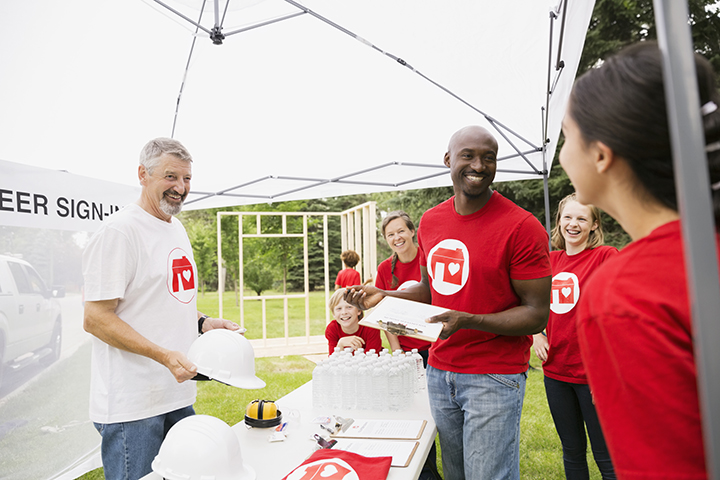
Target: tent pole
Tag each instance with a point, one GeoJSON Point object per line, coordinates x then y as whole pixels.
{"type": "Point", "coordinates": [546, 197]}
{"type": "Point", "coordinates": [544, 114]}
{"type": "Point", "coordinates": [695, 205]}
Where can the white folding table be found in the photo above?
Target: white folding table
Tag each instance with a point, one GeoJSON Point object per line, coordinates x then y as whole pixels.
{"type": "Point", "coordinates": [273, 461]}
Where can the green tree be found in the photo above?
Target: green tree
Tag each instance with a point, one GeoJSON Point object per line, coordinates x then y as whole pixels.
{"type": "Point", "coordinates": [258, 276]}
{"type": "Point", "coordinates": [202, 233]}
{"type": "Point", "coordinates": [617, 23]}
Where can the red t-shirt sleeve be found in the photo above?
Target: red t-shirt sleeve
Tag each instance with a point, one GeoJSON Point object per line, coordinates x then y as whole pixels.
{"type": "Point", "coordinates": [331, 333]}
{"type": "Point", "coordinates": [383, 272]}
{"type": "Point", "coordinates": [531, 256]}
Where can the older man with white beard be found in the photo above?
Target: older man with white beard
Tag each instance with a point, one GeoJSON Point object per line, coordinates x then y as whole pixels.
{"type": "Point", "coordinates": [140, 305]}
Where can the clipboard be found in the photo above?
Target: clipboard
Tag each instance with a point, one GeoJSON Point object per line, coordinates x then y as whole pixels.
{"type": "Point", "coordinates": [405, 317]}
{"type": "Point", "coordinates": [383, 430]}
{"type": "Point", "coordinates": [401, 451]}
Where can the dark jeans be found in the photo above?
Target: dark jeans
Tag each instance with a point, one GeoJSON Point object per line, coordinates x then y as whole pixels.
{"type": "Point", "coordinates": [572, 410]}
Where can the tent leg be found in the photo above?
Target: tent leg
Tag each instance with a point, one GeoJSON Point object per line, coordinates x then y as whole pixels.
{"type": "Point", "coordinates": [695, 205]}
{"type": "Point", "coordinates": [546, 192]}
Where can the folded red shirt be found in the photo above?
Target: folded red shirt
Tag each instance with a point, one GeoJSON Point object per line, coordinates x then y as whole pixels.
{"type": "Point", "coordinates": [328, 464]}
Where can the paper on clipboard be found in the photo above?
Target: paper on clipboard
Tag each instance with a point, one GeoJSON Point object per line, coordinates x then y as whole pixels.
{"type": "Point", "coordinates": [391, 429]}
{"type": "Point", "coordinates": [400, 451]}
{"type": "Point", "coordinates": [409, 316]}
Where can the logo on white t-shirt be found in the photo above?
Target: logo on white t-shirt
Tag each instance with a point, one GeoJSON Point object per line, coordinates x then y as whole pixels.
{"type": "Point", "coordinates": [565, 292]}
{"type": "Point", "coordinates": [448, 266]}
{"type": "Point", "coordinates": [181, 276]}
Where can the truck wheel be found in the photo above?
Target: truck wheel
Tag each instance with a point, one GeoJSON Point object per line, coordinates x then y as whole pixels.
{"type": "Point", "coordinates": [55, 344]}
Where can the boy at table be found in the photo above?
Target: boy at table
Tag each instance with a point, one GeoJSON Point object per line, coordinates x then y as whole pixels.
{"type": "Point", "coordinates": [345, 330]}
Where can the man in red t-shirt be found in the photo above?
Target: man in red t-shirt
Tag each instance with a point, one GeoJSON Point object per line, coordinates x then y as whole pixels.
{"type": "Point", "coordinates": [486, 260]}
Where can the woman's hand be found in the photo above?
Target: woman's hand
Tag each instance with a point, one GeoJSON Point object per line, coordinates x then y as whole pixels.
{"type": "Point", "coordinates": [541, 346]}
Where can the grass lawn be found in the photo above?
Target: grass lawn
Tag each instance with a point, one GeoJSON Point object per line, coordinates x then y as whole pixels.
{"type": "Point", "coordinates": [540, 450]}
{"type": "Point", "coordinates": [208, 304]}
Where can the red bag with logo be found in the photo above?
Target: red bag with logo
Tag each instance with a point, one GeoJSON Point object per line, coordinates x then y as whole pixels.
{"type": "Point", "coordinates": [328, 464]}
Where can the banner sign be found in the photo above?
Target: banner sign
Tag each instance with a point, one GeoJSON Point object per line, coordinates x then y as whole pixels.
{"type": "Point", "coordinates": [52, 199]}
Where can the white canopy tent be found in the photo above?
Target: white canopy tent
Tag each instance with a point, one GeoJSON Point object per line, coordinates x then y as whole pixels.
{"type": "Point", "coordinates": [307, 100]}
{"type": "Point", "coordinates": [296, 109]}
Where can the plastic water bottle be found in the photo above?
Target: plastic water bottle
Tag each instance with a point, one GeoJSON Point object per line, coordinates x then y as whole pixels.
{"type": "Point", "coordinates": [419, 369]}
{"type": "Point", "coordinates": [379, 388]}
{"type": "Point", "coordinates": [349, 389]}
{"type": "Point", "coordinates": [395, 387]}
{"type": "Point", "coordinates": [318, 384]}
{"type": "Point", "coordinates": [334, 386]}
{"type": "Point", "coordinates": [364, 385]}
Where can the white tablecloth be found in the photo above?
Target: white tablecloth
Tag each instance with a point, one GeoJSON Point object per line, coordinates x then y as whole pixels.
{"type": "Point", "coordinates": [272, 461]}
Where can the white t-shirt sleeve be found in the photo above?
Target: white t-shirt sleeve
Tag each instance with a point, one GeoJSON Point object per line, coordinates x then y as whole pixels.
{"type": "Point", "coordinates": [109, 264]}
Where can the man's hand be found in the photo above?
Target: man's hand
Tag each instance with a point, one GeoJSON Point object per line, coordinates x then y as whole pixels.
{"type": "Point", "coordinates": [452, 322]}
{"type": "Point", "coordinates": [541, 346]}
{"type": "Point", "coordinates": [179, 365]}
{"type": "Point", "coordinates": [213, 323]}
{"type": "Point", "coordinates": [363, 296]}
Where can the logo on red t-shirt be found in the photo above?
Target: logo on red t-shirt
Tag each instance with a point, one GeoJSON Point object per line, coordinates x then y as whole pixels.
{"type": "Point", "coordinates": [181, 276]}
{"type": "Point", "coordinates": [448, 266]}
{"type": "Point", "coordinates": [407, 284]}
{"type": "Point", "coordinates": [328, 469]}
{"type": "Point", "coordinates": [565, 292]}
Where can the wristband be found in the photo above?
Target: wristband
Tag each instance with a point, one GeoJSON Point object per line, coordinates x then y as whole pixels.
{"type": "Point", "coordinates": [201, 320]}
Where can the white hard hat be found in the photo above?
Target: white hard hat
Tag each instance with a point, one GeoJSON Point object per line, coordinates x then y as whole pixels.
{"type": "Point", "coordinates": [227, 357]}
{"type": "Point", "coordinates": [201, 447]}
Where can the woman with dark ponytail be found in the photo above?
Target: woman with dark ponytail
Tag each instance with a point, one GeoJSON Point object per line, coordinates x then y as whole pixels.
{"type": "Point", "coordinates": [401, 270]}
{"type": "Point", "coordinates": [634, 324]}
{"type": "Point", "coordinates": [398, 272]}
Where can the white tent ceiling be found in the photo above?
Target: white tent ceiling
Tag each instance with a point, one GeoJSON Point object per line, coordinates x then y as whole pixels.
{"type": "Point", "coordinates": [290, 110]}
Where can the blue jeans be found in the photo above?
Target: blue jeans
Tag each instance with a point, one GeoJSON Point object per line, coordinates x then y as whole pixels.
{"type": "Point", "coordinates": [128, 448]}
{"type": "Point", "coordinates": [572, 410]}
{"type": "Point", "coordinates": [478, 419]}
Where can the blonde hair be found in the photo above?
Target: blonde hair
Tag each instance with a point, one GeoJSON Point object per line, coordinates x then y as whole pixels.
{"type": "Point", "coordinates": [597, 236]}
{"type": "Point", "coordinates": [336, 298]}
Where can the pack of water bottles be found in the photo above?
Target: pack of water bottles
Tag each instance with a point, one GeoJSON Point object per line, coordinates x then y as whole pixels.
{"type": "Point", "coordinates": [367, 380]}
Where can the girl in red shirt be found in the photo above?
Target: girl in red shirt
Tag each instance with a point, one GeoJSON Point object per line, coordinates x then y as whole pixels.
{"type": "Point", "coordinates": [578, 242]}
{"type": "Point", "coordinates": [634, 325]}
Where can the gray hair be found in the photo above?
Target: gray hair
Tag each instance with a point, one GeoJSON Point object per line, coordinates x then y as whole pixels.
{"type": "Point", "coordinates": [154, 149]}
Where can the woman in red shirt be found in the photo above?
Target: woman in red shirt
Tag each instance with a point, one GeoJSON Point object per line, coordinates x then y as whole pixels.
{"type": "Point", "coordinates": [401, 270]}
{"type": "Point", "coordinates": [578, 242]}
{"type": "Point", "coordinates": [634, 324]}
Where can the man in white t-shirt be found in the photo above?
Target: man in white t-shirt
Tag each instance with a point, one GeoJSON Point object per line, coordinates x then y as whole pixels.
{"type": "Point", "coordinates": [140, 305]}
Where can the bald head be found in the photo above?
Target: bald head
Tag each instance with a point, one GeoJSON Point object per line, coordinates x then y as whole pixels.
{"type": "Point", "coordinates": [472, 159]}
{"type": "Point", "coordinates": [471, 132]}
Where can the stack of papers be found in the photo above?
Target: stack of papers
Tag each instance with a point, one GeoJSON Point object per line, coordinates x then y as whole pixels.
{"type": "Point", "coordinates": [405, 317]}
{"type": "Point", "coordinates": [382, 438]}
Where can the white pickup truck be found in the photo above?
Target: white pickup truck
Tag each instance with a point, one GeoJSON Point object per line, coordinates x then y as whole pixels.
{"type": "Point", "coordinates": [30, 319]}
